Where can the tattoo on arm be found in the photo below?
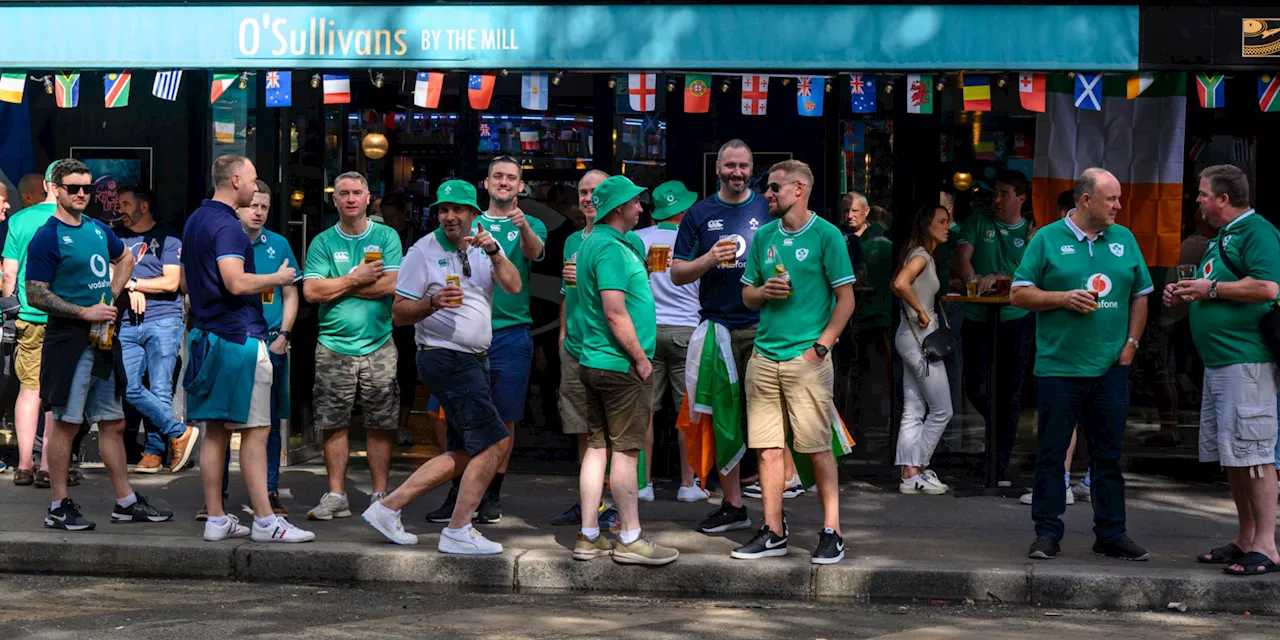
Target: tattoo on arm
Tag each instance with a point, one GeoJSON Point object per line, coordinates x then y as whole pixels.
{"type": "Point", "coordinates": [42, 298]}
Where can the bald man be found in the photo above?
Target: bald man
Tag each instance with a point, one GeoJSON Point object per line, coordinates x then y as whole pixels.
{"type": "Point", "coordinates": [31, 189]}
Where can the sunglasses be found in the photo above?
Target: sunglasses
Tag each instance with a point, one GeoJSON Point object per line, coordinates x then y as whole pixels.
{"type": "Point", "coordinates": [775, 187]}
{"type": "Point", "coordinates": [466, 264]}
{"type": "Point", "coordinates": [73, 189]}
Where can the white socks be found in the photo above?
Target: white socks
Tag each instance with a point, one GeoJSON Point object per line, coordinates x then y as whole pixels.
{"type": "Point", "coordinates": [384, 509]}
{"type": "Point", "coordinates": [591, 534]}
{"type": "Point", "coordinates": [263, 523]}
{"type": "Point", "coordinates": [127, 501]}
{"type": "Point", "coordinates": [461, 531]}
{"type": "Point", "coordinates": [627, 537]}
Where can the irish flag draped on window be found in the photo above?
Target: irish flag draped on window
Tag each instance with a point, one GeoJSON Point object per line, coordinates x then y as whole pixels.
{"type": "Point", "coordinates": [1140, 140]}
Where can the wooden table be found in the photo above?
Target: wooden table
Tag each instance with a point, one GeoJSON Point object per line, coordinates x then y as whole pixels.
{"type": "Point", "coordinates": [993, 306]}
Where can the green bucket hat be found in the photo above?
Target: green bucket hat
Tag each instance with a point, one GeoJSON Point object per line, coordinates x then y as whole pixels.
{"type": "Point", "coordinates": [48, 173]}
{"type": "Point", "coordinates": [614, 192]}
{"type": "Point", "coordinates": [671, 198]}
{"type": "Point", "coordinates": [457, 192]}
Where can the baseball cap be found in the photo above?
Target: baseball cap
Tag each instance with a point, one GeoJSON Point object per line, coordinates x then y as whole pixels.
{"type": "Point", "coordinates": [671, 198]}
{"type": "Point", "coordinates": [614, 192]}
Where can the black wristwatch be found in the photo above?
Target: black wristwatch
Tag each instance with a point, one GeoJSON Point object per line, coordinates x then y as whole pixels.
{"type": "Point", "coordinates": [493, 253]}
{"type": "Point", "coordinates": [820, 349]}
{"type": "Point", "coordinates": [287, 335]}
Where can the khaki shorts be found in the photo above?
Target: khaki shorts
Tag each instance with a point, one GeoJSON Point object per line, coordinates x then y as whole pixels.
{"type": "Point", "coordinates": [668, 364]}
{"type": "Point", "coordinates": [623, 402]}
{"type": "Point", "coordinates": [30, 348]}
{"type": "Point", "coordinates": [573, 395]}
{"type": "Point", "coordinates": [794, 394]}
{"type": "Point", "coordinates": [1238, 415]}
{"type": "Point", "coordinates": [340, 379]}
{"type": "Point", "coordinates": [260, 401]}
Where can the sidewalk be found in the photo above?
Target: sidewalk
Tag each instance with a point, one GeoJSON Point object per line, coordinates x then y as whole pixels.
{"type": "Point", "coordinates": [898, 547]}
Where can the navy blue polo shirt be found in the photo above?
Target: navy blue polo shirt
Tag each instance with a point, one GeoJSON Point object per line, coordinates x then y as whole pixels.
{"type": "Point", "coordinates": [154, 249]}
{"type": "Point", "coordinates": [213, 233]}
{"type": "Point", "coordinates": [720, 288]}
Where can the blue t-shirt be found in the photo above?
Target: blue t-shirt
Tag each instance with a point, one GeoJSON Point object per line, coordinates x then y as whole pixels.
{"type": "Point", "coordinates": [720, 289]}
{"type": "Point", "coordinates": [74, 260]}
{"type": "Point", "coordinates": [213, 233]}
{"type": "Point", "coordinates": [269, 252]}
{"type": "Point", "coordinates": [154, 249]}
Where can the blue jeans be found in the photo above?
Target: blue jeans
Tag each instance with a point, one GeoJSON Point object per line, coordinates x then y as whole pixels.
{"type": "Point", "coordinates": [1100, 406]}
{"type": "Point", "coordinates": [152, 348]}
{"type": "Point", "coordinates": [279, 408]}
{"type": "Point", "coordinates": [1016, 340]}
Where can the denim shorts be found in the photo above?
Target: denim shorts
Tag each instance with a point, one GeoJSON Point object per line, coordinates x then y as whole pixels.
{"type": "Point", "coordinates": [91, 399]}
{"type": "Point", "coordinates": [510, 360]}
{"type": "Point", "coordinates": [461, 384]}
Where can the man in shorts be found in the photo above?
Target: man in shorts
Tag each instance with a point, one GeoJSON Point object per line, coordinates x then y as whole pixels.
{"type": "Point", "coordinates": [511, 354]}
{"type": "Point", "coordinates": [228, 378]}
{"type": "Point", "coordinates": [789, 382]}
{"type": "Point", "coordinates": [618, 339]}
{"type": "Point", "coordinates": [351, 273]}
{"type": "Point", "coordinates": [445, 290]}
{"type": "Point", "coordinates": [1236, 288]}
{"type": "Point", "coordinates": [677, 309]}
{"type": "Point", "coordinates": [68, 277]}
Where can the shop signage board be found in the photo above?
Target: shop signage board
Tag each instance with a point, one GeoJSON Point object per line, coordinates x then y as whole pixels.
{"type": "Point", "coordinates": [654, 37]}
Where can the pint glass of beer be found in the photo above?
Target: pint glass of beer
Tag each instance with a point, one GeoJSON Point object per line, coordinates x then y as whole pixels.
{"type": "Point", "coordinates": [971, 287]}
{"type": "Point", "coordinates": [728, 240]}
{"type": "Point", "coordinates": [1187, 272]}
{"type": "Point", "coordinates": [659, 258]}
{"type": "Point", "coordinates": [1003, 284]}
{"type": "Point", "coordinates": [567, 264]}
{"type": "Point", "coordinates": [453, 280]}
{"type": "Point", "coordinates": [372, 255]}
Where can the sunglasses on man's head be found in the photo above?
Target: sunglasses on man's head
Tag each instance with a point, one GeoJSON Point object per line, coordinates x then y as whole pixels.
{"type": "Point", "coordinates": [76, 188]}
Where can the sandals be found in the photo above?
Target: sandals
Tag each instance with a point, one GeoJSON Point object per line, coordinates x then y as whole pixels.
{"type": "Point", "coordinates": [1254, 563]}
{"type": "Point", "coordinates": [1225, 554]}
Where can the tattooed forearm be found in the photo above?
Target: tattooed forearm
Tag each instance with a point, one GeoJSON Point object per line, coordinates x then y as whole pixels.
{"type": "Point", "coordinates": [40, 297]}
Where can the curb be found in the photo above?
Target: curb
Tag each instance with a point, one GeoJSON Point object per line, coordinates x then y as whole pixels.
{"type": "Point", "coordinates": [554, 571]}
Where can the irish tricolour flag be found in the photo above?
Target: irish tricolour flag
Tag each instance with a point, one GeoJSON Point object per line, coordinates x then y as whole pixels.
{"type": "Point", "coordinates": [1138, 140]}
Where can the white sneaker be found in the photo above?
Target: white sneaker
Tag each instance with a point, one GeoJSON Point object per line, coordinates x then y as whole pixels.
{"type": "Point", "coordinates": [1071, 499]}
{"type": "Point", "coordinates": [470, 543]}
{"type": "Point", "coordinates": [931, 476]}
{"type": "Point", "coordinates": [331, 506]}
{"type": "Point", "coordinates": [1079, 492]}
{"type": "Point", "coordinates": [231, 529]}
{"type": "Point", "coordinates": [646, 494]}
{"type": "Point", "coordinates": [281, 531]}
{"type": "Point", "coordinates": [692, 494]}
{"type": "Point", "coordinates": [922, 484]}
{"type": "Point", "coordinates": [388, 524]}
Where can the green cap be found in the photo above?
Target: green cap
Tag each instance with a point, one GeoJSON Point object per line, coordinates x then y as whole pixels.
{"type": "Point", "coordinates": [671, 198]}
{"type": "Point", "coordinates": [614, 192]}
{"type": "Point", "coordinates": [457, 192]}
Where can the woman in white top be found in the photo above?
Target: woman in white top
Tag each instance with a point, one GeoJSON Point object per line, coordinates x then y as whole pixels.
{"type": "Point", "coordinates": [924, 383]}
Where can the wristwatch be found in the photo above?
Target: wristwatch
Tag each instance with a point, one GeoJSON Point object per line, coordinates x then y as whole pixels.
{"type": "Point", "coordinates": [493, 253]}
{"type": "Point", "coordinates": [820, 349]}
{"type": "Point", "coordinates": [287, 335]}
{"type": "Point", "coordinates": [1213, 290]}
{"type": "Point", "coordinates": [132, 285]}
{"type": "Point", "coordinates": [1132, 341]}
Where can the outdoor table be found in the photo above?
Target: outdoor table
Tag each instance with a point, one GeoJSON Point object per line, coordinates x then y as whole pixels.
{"type": "Point", "coordinates": [994, 305]}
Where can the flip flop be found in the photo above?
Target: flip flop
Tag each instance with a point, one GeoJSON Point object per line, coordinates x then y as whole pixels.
{"type": "Point", "coordinates": [1225, 554]}
{"type": "Point", "coordinates": [1252, 563]}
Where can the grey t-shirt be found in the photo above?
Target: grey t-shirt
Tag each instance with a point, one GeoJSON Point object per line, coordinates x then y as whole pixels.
{"type": "Point", "coordinates": [926, 287]}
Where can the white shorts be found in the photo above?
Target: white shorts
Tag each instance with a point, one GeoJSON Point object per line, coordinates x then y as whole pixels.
{"type": "Point", "coordinates": [260, 401]}
{"type": "Point", "coordinates": [1238, 415]}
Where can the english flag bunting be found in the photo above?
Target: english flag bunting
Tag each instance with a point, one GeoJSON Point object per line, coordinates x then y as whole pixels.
{"type": "Point", "coordinates": [12, 86]}
{"type": "Point", "coordinates": [426, 90]}
{"type": "Point", "coordinates": [116, 89]}
{"type": "Point", "coordinates": [222, 82]}
{"type": "Point", "coordinates": [1088, 91]}
{"type": "Point", "coordinates": [977, 91]}
{"type": "Point", "coordinates": [1212, 90]}
{"type": "Point", "coordinates": [697, 93]}
{"type": "Point", "coordinates": [755, 95]}
{"type": "Point", "coordinates": [1268, 86]}
{"type": "Point", "coordinates": [809, 93]}
{"type": "Point", "coordinates": [641, 91]}
{"type": "Point", "coordinates": [1031, 91]}
{"type": "Point", "coordinates": [1139, 83]}
{"type": "Point", "coordinates": [66, 90]}
{"type": "Point", "coordinates": [862, 93]}
{"type": "Point", "coordinates": [337, 89]}
{"type": "Point", "coordinates": [919, 93]}
{"type": "Point", "coordinates": [533, 91]}
{"type": "Point", "coordinates": [480, 90]}
{"type": "Point", "coordinates": [166, 85]}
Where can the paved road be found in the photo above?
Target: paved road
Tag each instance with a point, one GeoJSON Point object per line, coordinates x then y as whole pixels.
{"type": "Point", "coordinates": [75, 607]}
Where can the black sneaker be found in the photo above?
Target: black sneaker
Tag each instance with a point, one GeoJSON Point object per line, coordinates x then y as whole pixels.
{"type": "Point", "coordinates": [830, 549]}
{"type": "Point", "coordinates": [1121, 547]}
{"type": "Point", "coordinates": [1044, 548]}
{"type": "Point", "coordinates": [764, 545]}
{"type": "Point", "coordinates": [140, 511]}
{"type": "Point", "coordinates": [490, 509]}
{"type": "Point", "coordinates": [726, 518]}
{"type": "Point", "coordinates": [445, 512]}
{"type": "Point", "coordinates": [67, 517]}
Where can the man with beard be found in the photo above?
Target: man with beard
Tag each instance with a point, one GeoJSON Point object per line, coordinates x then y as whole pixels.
{"type": "Point", "coordinates": [800, 278]}
{"type": "Point", "coordinates": [151, 331]}
{"type": "Point", "coordinates": [351, 273]}
{"type": "Point", "coordinates": [68, 278]}
{"type": "Point", "coordinates": [446, 291]}
{"type": "Point", "coordinates": [511, 353]}
{"type": "Point", "coordinates": [228, 380]}
{"type": "Point", "coordinates": [711, 248]}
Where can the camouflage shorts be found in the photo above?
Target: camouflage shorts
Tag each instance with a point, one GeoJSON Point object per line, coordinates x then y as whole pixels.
{"type": "Point", "coordinates": [340, 379]}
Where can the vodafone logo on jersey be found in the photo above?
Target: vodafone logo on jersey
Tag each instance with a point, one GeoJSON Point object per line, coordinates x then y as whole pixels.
{"type": "Point", "coordinates": [1208, 268]}
{"type": "Point", "coordinates": [1101, 283]}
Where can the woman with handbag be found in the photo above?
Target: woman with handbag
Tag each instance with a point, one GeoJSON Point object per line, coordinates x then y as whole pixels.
{"type": "Point", "coordinates": [922, 344]}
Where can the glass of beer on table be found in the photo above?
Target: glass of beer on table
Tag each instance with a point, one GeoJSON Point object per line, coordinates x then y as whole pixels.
{"type": "Point", "coordinates": [1187, 272]}
{"type": "Point", "coordinates": [659, 258]}
{"type": "Point", "coordinates": [1004, 282]}
{"type": "Point", "coordinates": [971, 286]}
{"type": "Point", "coordinates": [728, 241]}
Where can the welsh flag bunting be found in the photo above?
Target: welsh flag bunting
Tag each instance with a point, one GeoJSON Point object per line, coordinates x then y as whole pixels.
{"type": "Point", "coordinates": [919, 93]}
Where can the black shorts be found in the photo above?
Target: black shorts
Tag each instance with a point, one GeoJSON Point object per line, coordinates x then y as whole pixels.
{"type": "Point", "coordinates": [460, 381]}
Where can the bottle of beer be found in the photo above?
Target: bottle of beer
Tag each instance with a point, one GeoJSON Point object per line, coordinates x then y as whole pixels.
{"type": "Point", "coordinates": [100, 333]}
{"type": "Point", "coordinates": [779, 269]}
